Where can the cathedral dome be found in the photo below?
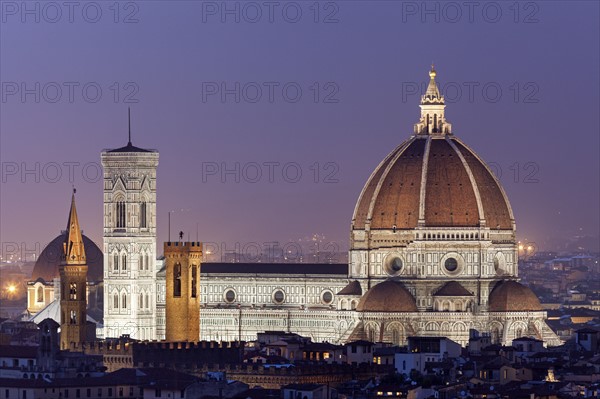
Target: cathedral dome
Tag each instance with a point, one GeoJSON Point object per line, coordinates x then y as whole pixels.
{"type": "Point", "coordinates": [46, 266]}
{"type": "Point", "coordinates": [389, 296]}
{"type": "Point", "coordinates": [454, 186]}
{"type": "Point", "coordinates": [432, 180]}
{"type": "Point", "coordinates": [510, 296]}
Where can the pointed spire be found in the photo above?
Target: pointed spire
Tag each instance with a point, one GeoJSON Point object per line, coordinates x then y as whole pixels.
{"type": "Point", "coordinates": [74, 252]}
{"type": "Point", "coordinates": [129, 124]}
{"type": "Point", "coordinates": [432, 95]}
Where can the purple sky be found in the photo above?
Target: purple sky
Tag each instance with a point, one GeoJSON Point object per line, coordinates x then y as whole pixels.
{"type": "Point", "coordinates": [543, 56]}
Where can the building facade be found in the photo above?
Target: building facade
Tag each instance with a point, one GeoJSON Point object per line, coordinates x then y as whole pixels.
{"type": "Point", "coordinates": [130, 242]}
{"type": "Point", "coordinates": [433, 252]}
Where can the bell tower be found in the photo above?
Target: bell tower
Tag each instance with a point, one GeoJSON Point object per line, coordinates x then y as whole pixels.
{"type": "Point", "coordinates": [130, 241]}
{"type": "Point", "coordinates": [183, 290]}
{"type": "Point", "coordinates": [73, 276]}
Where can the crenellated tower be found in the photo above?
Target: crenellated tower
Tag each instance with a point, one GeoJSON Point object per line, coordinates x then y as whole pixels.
{"type": "Point", "coordinates": [183, 261]}
{"type": "Point", "coordinates": [130, 241]}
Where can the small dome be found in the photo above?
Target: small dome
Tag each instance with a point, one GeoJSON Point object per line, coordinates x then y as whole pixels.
{"type": "Point", "coordinates": [46, 265]}
{"type": "Point", "coordinates": [510, 296]}
{"type": "Point", "coordinates": [389, 296]}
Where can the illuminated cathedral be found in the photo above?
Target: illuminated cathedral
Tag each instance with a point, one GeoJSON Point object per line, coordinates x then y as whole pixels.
{"type": "Point", "coordinates": [433, 252]}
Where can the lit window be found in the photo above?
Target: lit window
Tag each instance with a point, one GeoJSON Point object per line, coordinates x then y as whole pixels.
{"type": "Point", "coordinates": [73, 291]}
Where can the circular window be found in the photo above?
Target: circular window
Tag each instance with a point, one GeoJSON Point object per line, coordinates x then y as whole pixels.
{"type": "Point", "coordinates": [393, 265]}
{"type": "Point", "coordinates": [229, 296]}
{"type": "Point", "coordinates": [451, 264]}
{"type": "Point", "coordinates": [278, 297]}
{"type": "Point", "coordinates": [327, 297]}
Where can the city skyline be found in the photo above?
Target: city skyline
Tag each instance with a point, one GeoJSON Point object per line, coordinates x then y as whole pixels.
{"type": "Point", "coordinates": [367, 104]}
{"type": "Point", "coordinates": [347, 199]}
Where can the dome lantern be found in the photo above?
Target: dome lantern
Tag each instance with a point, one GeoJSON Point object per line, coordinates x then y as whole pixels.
{"type": "Point", "coordinates": [433, 121]}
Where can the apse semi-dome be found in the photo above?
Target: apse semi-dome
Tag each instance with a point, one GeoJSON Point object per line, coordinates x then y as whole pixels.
{"type": "Point", "coordinates": [432, 180]}
{"type": "Point", "coordinates": [46, 266]}
{"type": "Point", "coordinates": [510, 296]}
{"type": "Point", "coordinates": [388, 296]}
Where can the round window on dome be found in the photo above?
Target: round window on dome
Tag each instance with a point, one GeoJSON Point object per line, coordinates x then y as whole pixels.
{"type": "Point", "coordinates": [278, 297]}
{"type": "Point", "coordinates": [393, 265]}
{"type": "Point", "coordinates": [451, 264]}
{"type": "Point", "coordinates": [327, 297]}
{"type": "Point", "coordinates": [229, 296]}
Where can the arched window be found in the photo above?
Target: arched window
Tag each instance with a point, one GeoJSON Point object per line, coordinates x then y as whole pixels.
{"type": "Point", "coordinates": [120, 212]}
{"type": "Point", "coordinates": [141, 262]}
{"type": "Point", "coordinates": [73, 317]}
{"type": "Point", "coordinates": [124, 262]}
{"type": "Point", "coordinates": [141, 300]}
{"type": "Point", "coordinates": [177, 280]}
{"type": "Point", "coordinates": [518, 333]}
{"type": "Point", "coordinates": [146, 261]}
{"type": "Point", "coordinates": [371, 334]}
{"type": "Point", "coordinates": [147, 301]}
{"type": "Point", "coordinates": [396, 336]}
{"type": "Point", "coordinates": [116, 262]}
{"type": "Point", "coordinates": [143, 216]}
{"type": "Point", "coordinates": [73, 291]}
{"type": "Point", "coordinates": [124, 301]}
{"type": "Point", "coordinates": [116, 301]}
{"type": "Point", "coordinates": [40, 294]}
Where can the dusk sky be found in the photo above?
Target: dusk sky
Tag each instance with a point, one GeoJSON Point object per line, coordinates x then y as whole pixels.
{"type": "Point", "coordinates": [521, 81]}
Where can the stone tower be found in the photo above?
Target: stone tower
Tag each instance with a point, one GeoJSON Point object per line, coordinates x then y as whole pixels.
{"type": "Point", "coordinates": [49, 344]}
{"type": "Point", "coordinates": [183, 290]}
{"type": "Point", "coordinates": [130, 241]}
{"type": "Point", "coordinates": [73, 275]}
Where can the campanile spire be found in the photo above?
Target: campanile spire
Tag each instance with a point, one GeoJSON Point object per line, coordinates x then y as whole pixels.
{"type": "Point", "coordinates": [433, 121]}
{"type": "Point", "coordinates": [74, 252]}
{"type": "Point", "coordinates": [73, 282]}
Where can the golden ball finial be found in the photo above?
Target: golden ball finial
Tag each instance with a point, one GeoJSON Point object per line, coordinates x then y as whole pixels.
{"type": "Point", "coordinates": [432, 73]}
